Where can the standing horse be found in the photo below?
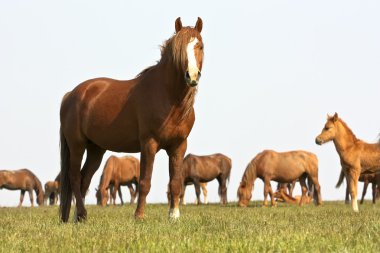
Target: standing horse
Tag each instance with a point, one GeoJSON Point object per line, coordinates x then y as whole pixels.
{"type": "Point", "coordinates": [372, 178]}
{"type": "Point", "coordinates": [151, 112]}
{"type": "Point", "coordinates": [118, 171]}
{"type": "Point", "coordinates": [356, 156]}
{"type": "Point", "coordinates": [282, 167]}
{"type": "Point", "coordinates": [23, 180]}
{"type": "Point", "coordinates": [203, 169]}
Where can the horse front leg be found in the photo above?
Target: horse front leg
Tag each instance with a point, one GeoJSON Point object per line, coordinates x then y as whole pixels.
{"type": "Point", "coordinates": [31, 197]}
{"type": "Point", "coordinates": [373, 192]}
{"type": "Point", "coordinates": [148, 151]}
{"type": "Point", "coordinates": [304, 189]}
{"type": "Point", "coordinates": [353, 178]}
{"type": "Point", "coordinates": [132, 192]}
{"type": "Point", "coordinates": [204, 190]}
{"type": "Point", "coordinates": [197, 192]}
{"type": "Point", "coordinates": [22, 194]}
{"type": "Point", "coordinates": [266, 191]}
{"type": "Point", "coordinates": [176, 155]}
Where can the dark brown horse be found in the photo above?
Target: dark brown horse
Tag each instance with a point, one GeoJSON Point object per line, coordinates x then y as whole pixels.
{"type": "Point", "coordinates": [356, 156]}
{"type": "Point", "coordinates": [151, 112]}
{"type": "Point", "coordinates": [23, 180]}
{"type": "Point", "coordinates": [203, 169]}
{"type": "Point", "coordinates": [118, 171]}
{"type": "Point", "coordinates": [284, 167]}
{"type": "Point", "coordinates": [367, 179]}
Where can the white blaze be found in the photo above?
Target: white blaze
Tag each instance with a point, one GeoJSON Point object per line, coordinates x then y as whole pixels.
{"type": "Point", "coordinates": [192, 62]}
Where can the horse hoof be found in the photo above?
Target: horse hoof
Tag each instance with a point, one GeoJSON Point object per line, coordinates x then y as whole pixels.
{"type": "Point", "coordinates": [139, 216]}
{"type": "Point", "coordinates": [174, 214]}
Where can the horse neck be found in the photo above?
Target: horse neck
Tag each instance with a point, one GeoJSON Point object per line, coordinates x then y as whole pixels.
{"type": "Point", "coordinates": [250, 175]}
{"type": "Point", "coordinates": [38, 189]}
{"type": "Point", "coordinates": [344, 138]}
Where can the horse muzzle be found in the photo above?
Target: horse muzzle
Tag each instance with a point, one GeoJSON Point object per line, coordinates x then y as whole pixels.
{"type": "Point", "coordinates": [192, 80]}
{"type": "Point", "coordinates": [319, 141]}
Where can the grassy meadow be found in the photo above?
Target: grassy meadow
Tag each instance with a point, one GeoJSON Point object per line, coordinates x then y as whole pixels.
{"type": "Point", "coordinates": [332, 227]}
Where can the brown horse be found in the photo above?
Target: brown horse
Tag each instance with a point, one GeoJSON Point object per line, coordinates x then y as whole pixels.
{"type": "Point", "coordinates": [203, 169]}
{"type": "Point", "coordinates": [372, 178]}
{"type": "Point", "coordinates": [118, 171]}
{"type": "Point", "coordinates": [23, 180]}
{"type": "Point", "coordinates": [151, 112]}
{"type": "Point", "coordinates": [51, 192]}
{"type": "Point", "coordinates": [282, 167]}
{"type": "Point", "coordinates": [356, 156]}
{"type": "Point", "coordinates": [282, 196]}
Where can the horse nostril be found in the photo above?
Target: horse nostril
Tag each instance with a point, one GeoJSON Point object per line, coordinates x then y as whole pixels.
{"type": "Point", "coordinates": [187, 75]}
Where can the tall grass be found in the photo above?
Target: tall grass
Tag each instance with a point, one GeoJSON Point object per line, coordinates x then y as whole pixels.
{"type": "Point", "coordinates": [208, 228]}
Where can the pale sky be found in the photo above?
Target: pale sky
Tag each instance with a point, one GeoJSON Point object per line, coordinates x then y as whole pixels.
{"type": "Point", "coordinates": [272, 72]}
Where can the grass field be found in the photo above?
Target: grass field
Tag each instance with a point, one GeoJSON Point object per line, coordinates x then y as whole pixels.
{"type": "Point", "coordinates": [212, 228]}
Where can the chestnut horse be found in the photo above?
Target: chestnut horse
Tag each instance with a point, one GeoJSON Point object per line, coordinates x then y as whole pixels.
{"type": "Point", "coordinates": [23, 180]}
{"type": "Point", "coordinates": [282, 196]}
{"type": "Point", "coordinates": [356, 156]}
{"type": "Point", "coordinates": [203, 169]}
{"type": "Point", "coordinates": [151, 112]}
{"type": "Point", "coordinates": [282, 167]}
{"type": "Point", "coordinates": [118, 171]}
{"type": "Point", "coordinates": [372, 178]}
{"type": "Point", "coordinates": [52, 190]}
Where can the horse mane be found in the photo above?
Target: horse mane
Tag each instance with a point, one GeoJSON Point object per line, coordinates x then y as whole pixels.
{"type": "Point", "coordinates": [38, 189]}
{"type": "Point", "coordinates": [249, 173]}
{"type": "Point", "coordinates": [348, 129]}
{"type": "Point", "coordinates": [173, 50]}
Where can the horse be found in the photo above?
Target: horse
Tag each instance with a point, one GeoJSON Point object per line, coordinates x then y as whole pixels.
{"type": "Point", "coordinates": [51, 192]}
{"type": "Point", "coordinates": [203, 169]}
{"type": "Point", "coordinates": [356, 156]}
{"type": "Point", "coordinates": [24, 180]}
{"type": "Point", "coordinates": [283, 167]}
{"type": "Point", "coordinates": [372, 178]}
{"type": "Point", "coordinates": [182, 197]}
{"type": "Point", "coordinates": [282, 196]}
{"type": "Point", "coordinates": [118, 171]}
{"type": "Point", "coordinates": [151, 112]}
{"type": "Point", "coordinates": [290, 187]}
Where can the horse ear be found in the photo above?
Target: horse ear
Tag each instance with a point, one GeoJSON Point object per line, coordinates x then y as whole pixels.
{"type": "Point", "coordinates": [335, 117]}
{"type": "Point", "coordinates": [178, 25]}
{"type": "Point", "coordinates": [199, 25]}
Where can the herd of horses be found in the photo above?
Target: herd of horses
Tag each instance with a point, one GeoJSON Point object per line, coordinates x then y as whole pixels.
{"type": "Point", "coordinates": [155, 111]}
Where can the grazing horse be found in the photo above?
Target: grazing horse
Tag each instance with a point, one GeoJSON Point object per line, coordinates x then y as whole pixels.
{"type": "Point", "coordinates": [203, 169]}
{"type": "Point", "coordinates": [356, 156]}
{"type": "Point", "coordinates": [150, 112]}
{"type": "Point", "coordinates": [282, 167]}
{"type": "Point", "coordinates": [372, 178]}
{"type": "Point", "coordinates": [51, 192]}
{"type": "Point", "coordinates": [118, 171]}
{"type": "Point", "coordinates": [23, 180]}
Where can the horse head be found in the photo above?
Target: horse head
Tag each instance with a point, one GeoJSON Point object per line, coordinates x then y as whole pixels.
{"type": "Point", "coordinates": [187, 50]}
{"type": "Point", "coordinates": [329, 130]}
{"type": "Point", "coordinates": [244, 194]}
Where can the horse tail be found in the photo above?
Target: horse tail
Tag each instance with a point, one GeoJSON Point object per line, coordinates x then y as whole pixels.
{"type": "Point", "coordinates": [228, 162]}
{"type": "Point", "coordinates": [66, 191]}
{"type": "Point", "coordinates": [340, 180]}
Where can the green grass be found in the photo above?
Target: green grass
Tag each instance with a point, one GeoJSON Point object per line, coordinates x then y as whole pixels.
{"type": "Point", "coordinates": [332, 227]}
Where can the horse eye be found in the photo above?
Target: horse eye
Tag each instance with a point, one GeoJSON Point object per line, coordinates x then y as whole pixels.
{"type": "Point", "coordinates": [327, 128]}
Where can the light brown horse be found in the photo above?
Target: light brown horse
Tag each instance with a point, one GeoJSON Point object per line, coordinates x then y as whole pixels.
{"type": "Point", "coordinates": [51, 192]}
{"type": "Point", "coordinates": [23, 180]}
{"type": "Point", "coordinates": [118, 171]}
{"type": "Point", "coordinates": [356, 156]}
{"type": "Point", "coordinates": [372, 178]}
{"type": "Point", "coordinates": [203, 169]}
{"type": "Point", "coordinates": [282, 196]}
{"type": "Point", "coordinates": [151, 112]}
{"type": "Point", "coordinates": [282, 167]}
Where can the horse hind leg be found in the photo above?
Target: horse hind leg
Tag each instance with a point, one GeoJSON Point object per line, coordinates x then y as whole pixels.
{"type": "Point", "coordinates": [197, 193]}
{"type": "Point", "coordinates": [365, 186]}
{"type": "Point", "coordinates": [222, 190]}
{"type": "Point", "coordinates": [31, 197]}
{"type": "Point", "coordinates": [204, 190]}
{"type": "Point", "coordinates": [132, 192]}
{"type": "Point", "coordinates": [303, 188]}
